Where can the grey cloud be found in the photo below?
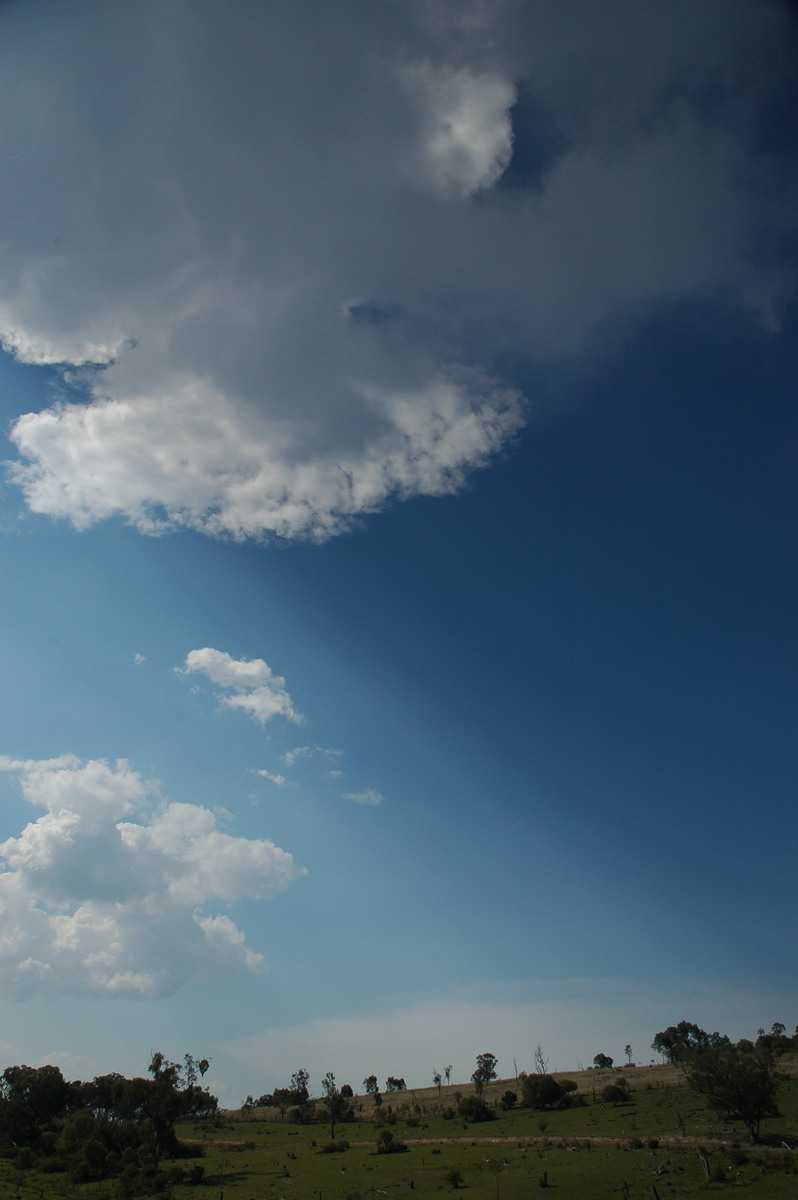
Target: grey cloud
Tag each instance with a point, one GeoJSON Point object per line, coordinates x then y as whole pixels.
{"type": "Point", "coordinates": [296, 236]}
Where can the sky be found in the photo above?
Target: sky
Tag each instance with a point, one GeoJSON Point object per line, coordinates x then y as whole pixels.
{"type": "Point", "coordinates": [398, 516]}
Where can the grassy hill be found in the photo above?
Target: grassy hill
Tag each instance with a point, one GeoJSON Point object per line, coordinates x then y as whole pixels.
{"type": "Point", "coordinates": [664, 1143]}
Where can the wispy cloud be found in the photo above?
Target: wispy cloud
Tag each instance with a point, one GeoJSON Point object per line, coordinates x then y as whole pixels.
{"type": "Point", "coordinates": [277, 780]}
{"type": "Point", "coordinates": [368, 797]}
{"type": "Point", "coordinates": [291, 756]}
{"type": "Point", "coordinates": [112, 891]}
{"type": "Point", "coordinates": [248, 684]}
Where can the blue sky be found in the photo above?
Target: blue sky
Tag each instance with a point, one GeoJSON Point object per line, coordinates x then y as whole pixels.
{"type": "Point", "coordinates": [398, 637]}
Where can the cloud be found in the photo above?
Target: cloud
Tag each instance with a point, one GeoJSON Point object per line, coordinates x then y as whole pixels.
{"type": "Point", "coordinates": [277, 780]}
{"type": "Point", "coordinates": [112, 891]}
{"type": "Point", "coordinates": [250, 684]}
{"type": "Point", "coordinates": [314, 231]}
{"type": "Point", "coordinates": [467, 136]}
{"type": "Point", "coordinates": [291, 756]}
{"type": "Point", "coordinates": [368, 797]}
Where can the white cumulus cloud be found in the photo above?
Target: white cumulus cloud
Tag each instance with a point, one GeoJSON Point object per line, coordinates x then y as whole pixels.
{"type": "Point", "coordinates": [278, 252]}
{"type": "Point", "coordinates": [248, 684]}
{"type": "Point", "coordinates": [112, 891]}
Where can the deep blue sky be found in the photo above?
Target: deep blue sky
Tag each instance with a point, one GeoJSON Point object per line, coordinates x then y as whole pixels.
{"type": "Point", "coordinates": [545, 787]}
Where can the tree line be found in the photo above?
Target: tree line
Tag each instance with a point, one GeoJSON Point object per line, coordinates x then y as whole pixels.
{"type": "Point", "coordinates": [739, 1080]}
{"type": "Point", "coordinates": [108, 1128]}
{"type": "Point", "coordinates": [125, 1129]}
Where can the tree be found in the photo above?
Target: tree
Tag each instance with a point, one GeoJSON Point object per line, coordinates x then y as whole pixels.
{"type": "Point", "coordinates": [392, 1084]}
{"type": "Point", "coordinates": [337, 1106]}
{"type": "Point", "coordinates": [436, 1079]}
{"type": "Point", "coordinates": [283, 1099]}
{"type": "Point", "coordinates": [448, 1070]}
{"type": "Point", "coordinates": [32, 1097]}
{"type": "Point", "coordinates": [370, 1085]}
{"type": "Point", "coordinates": [486, 1070]}
{"type": "Point", "coordinates": [602, 1061]}
{"type": "Point", "coordinates": [156, 1105]}
{"type": "Point", "coordinates": [738, 1083]}
{"type": "Point", "coordinates": [299, 1085]}
{"type": "Point", "coordinates": [541, 1063]}
{"type": "Point", "coordinates": [173, 1094]}
{"type": "Point", "coordinates": [628, 1052]}
{"type": "Point", "coordinates": [677, 1042]}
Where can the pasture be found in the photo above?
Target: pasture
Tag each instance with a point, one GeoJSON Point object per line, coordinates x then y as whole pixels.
{"type": "Point", "coordinates": [665, 1143]}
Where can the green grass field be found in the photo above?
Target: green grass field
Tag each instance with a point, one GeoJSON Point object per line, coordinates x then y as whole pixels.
{"type": "Point", "coordinates": [665, 1143]}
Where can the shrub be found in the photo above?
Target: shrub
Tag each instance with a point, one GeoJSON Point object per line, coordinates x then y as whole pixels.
{"type": "Point", "coordinates": [542, 1091]}
{"type": "Point", "coordinates": [615, 1093]}
{"type": "Point", "coordinates": [474, 1108]}
{"type": "Point", "coordinates": [387, 1143]}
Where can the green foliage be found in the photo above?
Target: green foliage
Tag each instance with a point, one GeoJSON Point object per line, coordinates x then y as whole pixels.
{"type": "Point", "coordinates": [737, 1083]}
{"type": "Point", "coordinates": [299, 1085]}
{"type": "Point", "coordinates": [110, 1128]}
{"type": "Point", "coordinates": [474, 1108]}
{"type": "Point", "coordinates": [616, 1093]}
{"type": "Point", "coordinates": [487, 1064]}
{"type": "Point", "coordinates": [387, 1143]}
{"type": "Point", "coordinates": [541, 1091]}
{"type": "Point", "coordinates": [678, 1042]}
{"type": "Point", "coordinates": [603, 1062]}
{"type": "Point", "coordinates": [31, 1098]}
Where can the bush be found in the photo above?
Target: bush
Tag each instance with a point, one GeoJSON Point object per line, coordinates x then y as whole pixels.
{"type": "Point", "coordinates": [508, 1100]}
{"type": "Point", "coordinates": [542, 1091]}
{"type": "Point", "coordinates": [387, 1143]}
{"type": "Point", "coordinates": [474, 1108]}
{"type": "Point", "coordinates": [615, 1093]}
